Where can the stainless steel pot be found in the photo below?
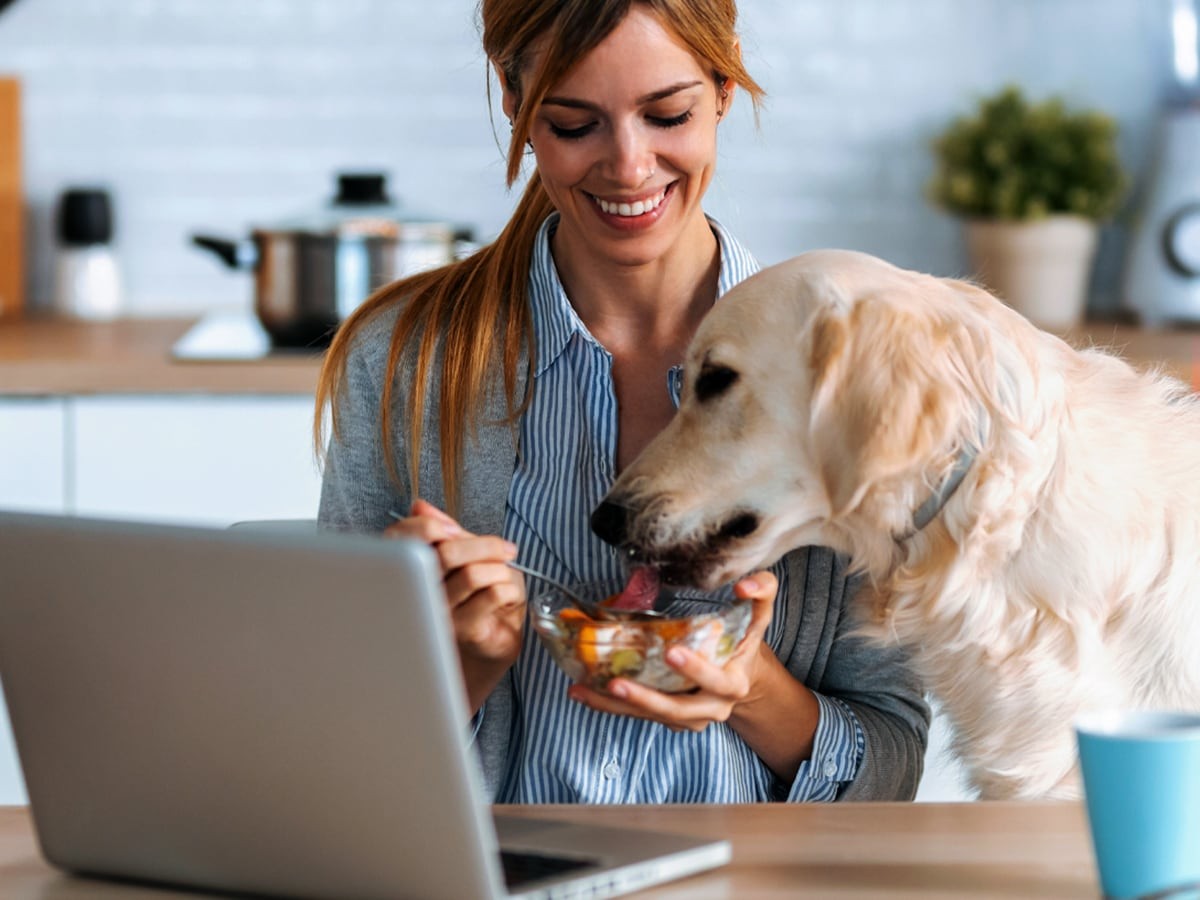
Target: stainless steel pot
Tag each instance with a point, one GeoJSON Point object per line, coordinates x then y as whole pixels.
{"type": "Point", "coordinates": [310, 274]}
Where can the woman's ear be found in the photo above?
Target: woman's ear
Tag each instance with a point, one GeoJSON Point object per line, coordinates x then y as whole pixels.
{"type": "Point", "coordinates": [725, 93]}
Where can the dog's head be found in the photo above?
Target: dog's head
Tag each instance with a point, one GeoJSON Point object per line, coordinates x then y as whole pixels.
{"type": "Point", "coordinates": [824, 399]}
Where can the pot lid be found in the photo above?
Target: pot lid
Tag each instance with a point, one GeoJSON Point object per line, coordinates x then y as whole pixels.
{"type": "Point", "coordinates": [363, 208]}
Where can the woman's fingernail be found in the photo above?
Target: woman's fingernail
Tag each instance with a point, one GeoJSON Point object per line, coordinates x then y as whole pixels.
{"type": "Point", "coordinates": [511, 549]}
{"type": "Point", "coordinates": [618, 690]}
{"type": "Point", "coordinates": [675, 657]}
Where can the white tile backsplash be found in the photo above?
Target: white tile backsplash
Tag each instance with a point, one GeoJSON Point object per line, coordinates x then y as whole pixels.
{"type": "Point", "coordinates": [220, 114]}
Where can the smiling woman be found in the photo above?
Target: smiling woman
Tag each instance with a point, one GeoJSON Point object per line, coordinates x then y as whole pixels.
{"type": "Point", "coordinates": [494, 401]}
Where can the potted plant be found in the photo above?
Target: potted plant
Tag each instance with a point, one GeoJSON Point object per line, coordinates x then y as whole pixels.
{"type": "Point", "coordinates": [1032, 181]}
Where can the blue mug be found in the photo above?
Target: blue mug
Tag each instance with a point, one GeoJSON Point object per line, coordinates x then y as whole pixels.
{"type": "Point", "coordinates": [1141, 781]}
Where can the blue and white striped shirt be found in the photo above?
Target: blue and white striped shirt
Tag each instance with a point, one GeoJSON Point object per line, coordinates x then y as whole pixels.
{"type": "Point", "coordinates": [563, 751]}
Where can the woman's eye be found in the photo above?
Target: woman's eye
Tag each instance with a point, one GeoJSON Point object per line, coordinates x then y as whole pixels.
{"type": "Point", "coordinates": [571, 134]}
{"type": "Point", "coordinates": [671, 121]}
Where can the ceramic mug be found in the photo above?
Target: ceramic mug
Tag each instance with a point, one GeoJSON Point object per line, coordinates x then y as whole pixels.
{"type": "Point", "coordinates": [1141, 780]}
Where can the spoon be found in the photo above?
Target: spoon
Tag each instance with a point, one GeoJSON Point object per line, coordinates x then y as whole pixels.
{"type": "Point", "coordinates": [589, 607]}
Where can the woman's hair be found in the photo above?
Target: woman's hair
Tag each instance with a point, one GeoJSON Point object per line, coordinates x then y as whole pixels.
{"type": "Point", "coordinates": [478, 308]}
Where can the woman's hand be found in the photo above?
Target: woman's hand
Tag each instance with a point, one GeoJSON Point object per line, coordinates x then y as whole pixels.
{"type": "Point", "coordinates": [486, 596]}
{"type": "Point", "coordinates": [719, 690]}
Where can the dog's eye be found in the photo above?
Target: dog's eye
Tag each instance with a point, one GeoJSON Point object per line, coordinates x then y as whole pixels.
{"type": "Point", "coordinates": [714, 380]}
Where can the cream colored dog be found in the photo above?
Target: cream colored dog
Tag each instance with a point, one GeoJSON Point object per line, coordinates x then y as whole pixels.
{"type": "Point", "coordinates": [837, 400]}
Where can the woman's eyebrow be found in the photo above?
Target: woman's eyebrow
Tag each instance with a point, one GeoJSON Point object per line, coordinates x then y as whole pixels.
{"type": "Point", "coordinates": [660, 94]}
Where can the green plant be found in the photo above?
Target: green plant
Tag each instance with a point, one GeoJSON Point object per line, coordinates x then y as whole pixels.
{"type": "Point", "coordinates": [1017, 160]}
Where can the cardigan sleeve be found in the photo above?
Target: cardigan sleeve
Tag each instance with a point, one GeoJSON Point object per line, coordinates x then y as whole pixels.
{"type": "Point", "coordinates": [356, 490]}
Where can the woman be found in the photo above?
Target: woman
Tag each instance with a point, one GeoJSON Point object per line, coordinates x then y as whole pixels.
{"type": "Point", "coordinates": [528, 375]}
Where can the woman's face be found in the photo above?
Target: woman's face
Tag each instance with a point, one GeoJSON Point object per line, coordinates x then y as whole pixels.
{"type": "Point", "coordinates": [626, 143]}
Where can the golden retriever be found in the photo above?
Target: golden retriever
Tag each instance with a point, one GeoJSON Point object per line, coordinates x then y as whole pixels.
{"type": "Point", "coordinates": [835, 399]}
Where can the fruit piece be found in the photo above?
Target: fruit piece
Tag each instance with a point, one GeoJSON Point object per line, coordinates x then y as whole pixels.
{"type": "Point", "coordinates": [570, 615]}
{"type": "Point", "coordinates": [625, 661]}
{"type": "Point", "coordinates": [594, 643]}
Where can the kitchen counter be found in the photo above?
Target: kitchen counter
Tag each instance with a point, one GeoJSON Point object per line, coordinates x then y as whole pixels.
{"type": "Point", "coordinates": [47, 356]}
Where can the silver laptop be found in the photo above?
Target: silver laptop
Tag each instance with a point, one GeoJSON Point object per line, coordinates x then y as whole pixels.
{"type": "Point", "coordinates": [279, 714]}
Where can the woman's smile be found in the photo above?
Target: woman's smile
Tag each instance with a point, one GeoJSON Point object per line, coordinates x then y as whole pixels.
{"type": "Point", "coordinates": [630, 213]}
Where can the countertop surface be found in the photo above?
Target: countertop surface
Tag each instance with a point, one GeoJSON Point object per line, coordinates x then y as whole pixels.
{"type": "Point", "coordinates": [48, 356]}
{"type": "Point", "coordinates": [784, 850]}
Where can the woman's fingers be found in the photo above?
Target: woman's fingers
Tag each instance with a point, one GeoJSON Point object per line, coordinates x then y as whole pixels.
{"type": "Point", "coordinates": [455, 553]}
{"type": "Point", "coordinates": [427, 523]}
{"type": "Point", "coordinates": [425, 508]}
{"type": "Point", "coordinates": [677, 711]}
{"type": "Point", "coordinates": [759, 587]}
{"type": "Point", "coordinates": [503, 584]}
{"type": "Point", "coordinates": [422, 528]}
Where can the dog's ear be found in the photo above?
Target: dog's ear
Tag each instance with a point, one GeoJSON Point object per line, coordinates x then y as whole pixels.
{"type": "Point", "coordinates": [888, 393]}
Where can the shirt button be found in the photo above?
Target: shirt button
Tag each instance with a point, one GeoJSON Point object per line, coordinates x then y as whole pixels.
{"type": "Point", "coordinates": [612, 770]}
{"type": "Point", "coordinates": [830, 767]}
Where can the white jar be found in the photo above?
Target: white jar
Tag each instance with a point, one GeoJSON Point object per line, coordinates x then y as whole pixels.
{"type": "Point", "coordinates": [87, 283]}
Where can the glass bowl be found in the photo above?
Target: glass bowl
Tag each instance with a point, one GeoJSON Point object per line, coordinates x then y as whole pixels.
{"type": "Point", "coordinates": [593, 651]}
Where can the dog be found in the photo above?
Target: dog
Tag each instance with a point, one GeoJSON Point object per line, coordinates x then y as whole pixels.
{"type": "Point", "coordinates": [1025, 515]}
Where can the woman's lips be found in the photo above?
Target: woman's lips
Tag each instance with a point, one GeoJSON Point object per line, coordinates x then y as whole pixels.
{"type": "Point", "coordinates": [629, 215]}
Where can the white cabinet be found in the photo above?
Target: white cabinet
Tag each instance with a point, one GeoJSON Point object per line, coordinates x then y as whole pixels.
{"type": "Point", "coordinates": [201, 460]}
{"type": "Point", "coordinates": [209, 460]}
{"type": "Point", "coordinates": [33, 474]}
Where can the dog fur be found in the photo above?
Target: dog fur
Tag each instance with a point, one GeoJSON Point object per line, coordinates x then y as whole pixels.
{"type": "Point", "coordinates": [828, 397]}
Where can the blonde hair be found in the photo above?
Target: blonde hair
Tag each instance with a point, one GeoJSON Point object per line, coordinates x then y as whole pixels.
{"type": "Point", "coordinates": [478, 308]}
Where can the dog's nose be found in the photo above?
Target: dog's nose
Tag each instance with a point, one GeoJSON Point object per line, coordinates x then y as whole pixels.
{"type": "Point", "coordinates": [609, 522]}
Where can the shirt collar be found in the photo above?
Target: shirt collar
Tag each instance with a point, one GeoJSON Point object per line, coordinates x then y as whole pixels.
{"type": "Point", "coordinates": [555, 320]}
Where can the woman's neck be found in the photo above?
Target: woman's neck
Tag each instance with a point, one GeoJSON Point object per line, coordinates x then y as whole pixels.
{"type": "Point", "coordinates": [657, 304]}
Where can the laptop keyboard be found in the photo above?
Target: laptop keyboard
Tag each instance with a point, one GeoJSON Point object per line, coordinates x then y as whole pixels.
{"type": "Point", "coordinates": [522, 868]}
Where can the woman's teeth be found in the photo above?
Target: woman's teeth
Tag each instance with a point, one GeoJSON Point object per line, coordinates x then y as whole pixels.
{"type": "Point", "coordinates": [637, 208]}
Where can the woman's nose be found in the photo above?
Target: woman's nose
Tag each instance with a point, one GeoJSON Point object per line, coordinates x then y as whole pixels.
{"type": "Point", "coordinates": [632, 158]}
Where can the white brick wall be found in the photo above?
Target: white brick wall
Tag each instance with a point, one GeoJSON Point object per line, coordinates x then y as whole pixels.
{"type": "Point", "coordinates": [217, 114]}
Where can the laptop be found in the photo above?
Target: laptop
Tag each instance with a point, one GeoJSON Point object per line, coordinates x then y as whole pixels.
{"type": "Point", "coordinates": [269, 713]}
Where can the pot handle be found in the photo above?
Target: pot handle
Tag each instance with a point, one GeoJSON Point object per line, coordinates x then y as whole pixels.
{"type": "Point", "coordinates": [235, 254]}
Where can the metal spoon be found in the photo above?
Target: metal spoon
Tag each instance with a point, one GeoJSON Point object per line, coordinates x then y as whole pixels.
{"type": "Point", "coordinates": [589, 607]}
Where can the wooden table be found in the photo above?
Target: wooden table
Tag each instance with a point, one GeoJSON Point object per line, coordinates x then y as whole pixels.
{"type": "Point", "coordinates": [879, 850]}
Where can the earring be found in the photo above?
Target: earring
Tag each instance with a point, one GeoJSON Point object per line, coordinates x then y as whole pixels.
{"type": "Point", "coordinates": [721, 108]}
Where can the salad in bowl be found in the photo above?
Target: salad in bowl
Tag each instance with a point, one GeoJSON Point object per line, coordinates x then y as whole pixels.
{"type": "Point", "coordinates": [646, 620]}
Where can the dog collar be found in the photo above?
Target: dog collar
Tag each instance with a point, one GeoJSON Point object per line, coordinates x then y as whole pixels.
{"type": "Point", "coordinates": [928, 510]}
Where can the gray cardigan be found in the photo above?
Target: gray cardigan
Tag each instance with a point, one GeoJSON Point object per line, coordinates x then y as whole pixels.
{"type": "Point", "coordinates": [820, 650]}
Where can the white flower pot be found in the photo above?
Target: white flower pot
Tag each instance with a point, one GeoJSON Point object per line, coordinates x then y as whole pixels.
{"type": "Point", "coordinates": [1039, 268]}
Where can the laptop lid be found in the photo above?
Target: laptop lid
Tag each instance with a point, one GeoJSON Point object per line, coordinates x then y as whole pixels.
{"type": "Point", "coordinates": [265, 712]}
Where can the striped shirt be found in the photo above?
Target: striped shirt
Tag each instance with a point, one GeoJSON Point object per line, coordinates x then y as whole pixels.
{"type": "Point", "coordinates": [564, 752]}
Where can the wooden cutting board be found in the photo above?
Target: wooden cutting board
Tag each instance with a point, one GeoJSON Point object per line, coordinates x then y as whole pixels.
{"type": "Point", "coordinates": [12, 204]}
